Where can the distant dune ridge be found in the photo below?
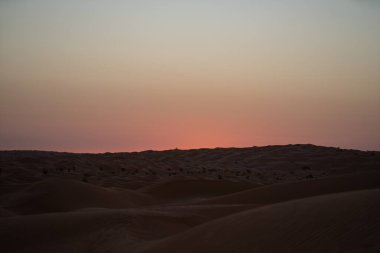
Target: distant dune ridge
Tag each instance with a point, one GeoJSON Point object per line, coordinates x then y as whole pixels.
{"type": "Point", "coordinates": [294, 198]}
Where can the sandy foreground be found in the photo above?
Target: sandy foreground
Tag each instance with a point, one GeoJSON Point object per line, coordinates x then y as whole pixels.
{"type": "Point", "coordinates": [294, 198]}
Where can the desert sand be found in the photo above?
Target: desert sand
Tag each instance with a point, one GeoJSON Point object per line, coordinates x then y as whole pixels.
{"type": "Point", "coordinates": [293, 198]}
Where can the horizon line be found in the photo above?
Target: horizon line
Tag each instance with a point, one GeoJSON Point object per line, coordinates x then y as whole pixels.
{"type": "Point", "coordinates": [185, 149]}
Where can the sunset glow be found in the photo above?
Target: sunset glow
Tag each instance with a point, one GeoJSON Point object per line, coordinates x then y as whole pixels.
{"type": "Point", "coordinates": [97, 76]}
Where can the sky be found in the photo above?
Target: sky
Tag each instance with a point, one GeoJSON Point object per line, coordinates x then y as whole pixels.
{"type": "Point", "coordinates": [98, 76]}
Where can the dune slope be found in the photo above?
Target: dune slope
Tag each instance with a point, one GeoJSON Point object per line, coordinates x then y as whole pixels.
{"type": "Point", "coordinates": [88, 230]}
{"type": "Point", "coordinates": [57, 195]}
{"type": "Point", "coordinates": [344, 222]}
{"type": "Point", "coordinates": [301, 189]}
{"type": "Point", "coordinates": [194, 188]}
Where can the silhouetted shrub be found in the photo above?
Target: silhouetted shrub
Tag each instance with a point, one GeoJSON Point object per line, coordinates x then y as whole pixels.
{"type": "Point", "coordinates": [220, 177]}
{"type": "Point", "coordinates": [45, 171]}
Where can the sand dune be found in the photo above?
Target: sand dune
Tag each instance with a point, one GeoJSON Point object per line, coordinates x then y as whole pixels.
{"type": "Point", "coordinates": [294, 198]}
{"type": "Point", "coordinates": [204, 213]}
{"type": "Point", "coordinates": [56, 195]}
{"type": "Point", "coordinates": [88, 231]}
{"type": "Point", "coordinates": [302, 189]}
{"type": "Point", "coordinates": [176, 189]}
{"type": "Point", "coordinates": [345, 222]}
{"type": "Point", "coordinates": [260, 165]}
{"type": "Point", "coordinates": [6, 213]}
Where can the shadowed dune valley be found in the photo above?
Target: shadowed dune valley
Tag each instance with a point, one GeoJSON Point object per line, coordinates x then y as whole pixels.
{"type": "Point", "coordinates": [290, 198]}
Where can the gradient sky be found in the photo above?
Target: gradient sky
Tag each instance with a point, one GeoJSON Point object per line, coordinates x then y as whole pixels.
{"type": "Point", "coordinates": [95, 76]}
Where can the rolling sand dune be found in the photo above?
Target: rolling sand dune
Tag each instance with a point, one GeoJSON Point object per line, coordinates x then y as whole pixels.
{"type": "Point", "coordinates": [6, 213]}
{"type": "Point", "coordinates": [88, 231]}
{"type": "Point", "coordinates": [256, 165]}
{"type": "Point", "coordinates": [294, 198]}
{"type": "Point", "coordinates": [303, 189]}
{"type": "Point", "coordinates": [176, 189]}
{"type": "Point", "coordinates": [56, 195]}
{"type": "Point", "coordinates": [346, 222]}
{"type": "Point", "coordinates": [204, 213]}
